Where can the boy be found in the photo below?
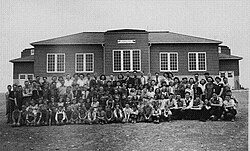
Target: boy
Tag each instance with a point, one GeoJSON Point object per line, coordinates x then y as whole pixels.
{"type": "Point", "coordinates": [189, 104]}
{"type": "Point", "coordinates": [177, 109]}
{"type": "Point", "coordinates": [44, 109]}
{"type": "Point", "coordinates": [109, 114]}
{"type": "Point", "coordinates": [60, 116]}
{"type": "Point", "coordinates": [196, 108]}
{"type": "Point", "coordinates": [147, 112]}
{"type": "Point", "coordinates": [156, 113]}
{"type": "Point", "coordinates": [216, 107]}
{"type": "Point", "coordinates": [101, 116]}
{"type": "Point", "coordinates": [82, 114]}
{"type": "Point", "coordinates": [229, 108]}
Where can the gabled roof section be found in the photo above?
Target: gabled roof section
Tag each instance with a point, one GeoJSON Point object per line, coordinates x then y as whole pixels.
{"type": "Point", "coordinates": [80, 38]}
{"type": "Point", "coordinates": [23, 59]}
{"type": "Point", "coordinates": [223, 56]}
{"type": "Point", "coordinates": [161, 37]}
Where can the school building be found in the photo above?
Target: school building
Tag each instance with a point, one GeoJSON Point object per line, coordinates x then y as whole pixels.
{"type": "Point", "coordinates": [119, 51]}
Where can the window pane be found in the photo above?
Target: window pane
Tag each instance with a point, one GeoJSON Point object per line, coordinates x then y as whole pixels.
{"type": "Point", "coordinates": [117, 60]}
{"type": "Point", "coordinates": [173, 61]}
{"type": "Point", "coordinates": [60, 62]}
{"type": "Point", "coordinates": [89, 62]}
{"type": "Point", "coordinates": [192, 61]}
{"type": "Point", "coordinates": [136, 60]}
{"type": "Point", "coordinates": [51, 62]}
{"type": "Point", "coordinates": [30, 76]}
{"type": "Point", "coordinates": [164, 61]}
{"type": "Point", "coordinates": [22, 76]}
{"type": "Point", "coordinates": [201, 61]}
{"type": "Point", "coordinates": [126, 60]}
{"type": "Point", "coordinates": [79, 62]}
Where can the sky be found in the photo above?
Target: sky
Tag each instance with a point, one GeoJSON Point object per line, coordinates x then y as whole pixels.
{"type": "Point", "coordinates": [26, 21]}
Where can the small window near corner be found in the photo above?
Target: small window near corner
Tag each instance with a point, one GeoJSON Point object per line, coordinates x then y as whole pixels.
{"type": "Point", "coordinates": [22, 76]}
{"type": "Point", "coordinates": [222, 74]}
{"type": "Point", "coordinates": [230, 75]}
{"type": "Point", "coordinates": [32, 52]}
{"type": "Point", "coordinates": [219, 49]}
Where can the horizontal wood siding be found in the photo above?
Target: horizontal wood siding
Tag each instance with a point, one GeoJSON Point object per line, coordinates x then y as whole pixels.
{"type": "Point", "coordinates": [40, 65]}
{"type": "Point", "coordinates": [111, 44]}
{"type": "Point", "coordinates": [22, 67]}
{"type": "Point", "coordinates": [211, 50]}
{"type": "Point", "coordinates": [230, 65]}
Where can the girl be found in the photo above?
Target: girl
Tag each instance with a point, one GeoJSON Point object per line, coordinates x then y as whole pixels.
{"type": "Point", "coordinates": [91, 116]}
{"type": "Point", "coordinates": [118, 116]}
{"type": "Point", "coordinates": [109, 114]}
{"type": "Point", "coordinates": [74, 112]}
{"type": "Point", "coordinates": [127, 111]}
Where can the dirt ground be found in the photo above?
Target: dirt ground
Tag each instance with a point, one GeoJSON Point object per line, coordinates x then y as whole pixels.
{"type": "Point", "coordinates": [176, 135]}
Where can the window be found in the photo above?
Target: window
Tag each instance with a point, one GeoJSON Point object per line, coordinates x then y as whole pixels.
{"type": "Point", "coordinates": [84, 62]}
{"type": "Point", "coordinates": [22, 76]}
{"type": "Point", "coordinates": [126, 60]}
{"type": "Point", "coordinates": [222, 74]}
{"type": "Point", "coordinates": [55, 62]}
{"type": "Point", "coordinates": [197, 61]}
{"type": "Point", "coordinates": [168, 61]}
{"type": "Point", "coordinates": [32, 52]}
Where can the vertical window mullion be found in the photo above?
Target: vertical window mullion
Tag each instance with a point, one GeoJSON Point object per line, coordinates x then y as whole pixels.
{"type": "Point", "coordinates": [84, 62]}
{"type": "Point", "coordinates": [197, 61]}
{"type": "Point", "coordinates": [131, 59]}
{"type": "Point", "coordinates": [121, 60]}
{"type": "Point", "coordinates": [55, 62]}
{"type": "Point", "coordinates": [169, 61]}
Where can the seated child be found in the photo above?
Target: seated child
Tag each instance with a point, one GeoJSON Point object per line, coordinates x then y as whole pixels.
{"type": "Point", "coordinates": [30, 117]}
{"type": "Point", "coordinates": [44, 109]}
{"type": "Point", "coordinates": [101, 116]}
{"type": "Point", "coordinates": [216, 107]}
{"type": "Point", "coordinates": [33, 107]}
{"type": "Point", "coordinates": [147, 112]}
{"type": "Point", "coordinates": [82, 114]}
{"type": "Point", "coordinates": [156, 113]}
{"type": "Point", "coordinates": [187, 108]}
{"type": "Point", "coordinates": [109, 114]}
{"type": "Point", "coordinates": [229, 108]}
{"type": "Point", "coordinates": [134, 114]}
{"type": "Point", "coordinates": [205, 115]}
{"type": "Point", "coordinates": [118, 115]}
{"type": "Point", "coordinates": [127, 111]}
{"type": "Point", "coordinates": [95, 104]}
{"type": "Point", "coordinates": [74, 118]}
{"type": "Point", "coordinates": [91, 116]}
{"type": "Point", "coordinates": [52, 111]}
{"type": "Point", "coordinates": [196, 108]}
{"type": "Point", "coordinates": [177, 111]}
{"type": "Point", "coordinates": [16, 117]}
{"type": "Point", "coordinates": [60, 116]}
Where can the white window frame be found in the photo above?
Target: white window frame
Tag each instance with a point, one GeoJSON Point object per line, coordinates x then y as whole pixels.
{"type": "Point", "coordinates": [131, 59]}
{"type": "Point", "coordinates": [84, 62]}
{"type": "Point", "coordinates": [25, 75]}
{"type": "Point", "coordinates": [197, 63]}
{"type": "Point", "coordinates": [168, 53]}
{"type": "Point", "coordinates": [56, 54]}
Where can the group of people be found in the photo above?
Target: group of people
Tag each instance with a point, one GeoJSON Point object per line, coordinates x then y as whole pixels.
{"type": "Point", "coordinates": [89, 99]}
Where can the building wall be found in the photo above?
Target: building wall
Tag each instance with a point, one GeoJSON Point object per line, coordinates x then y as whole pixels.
{"type": "Point", "coordinates": [40, 65]}
{"type": "Point", "coordinates": [211, 50]}
{"type": "Point", "coordinates": [111, 44]}
{"type": "Point", "coordinates": [22, 67]}
{"type": "Point", "coordinates": [230, 65]}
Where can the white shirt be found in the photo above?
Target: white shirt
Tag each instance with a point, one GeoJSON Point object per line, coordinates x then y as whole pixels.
{"type": "Point", "coordinates": [68, 82]}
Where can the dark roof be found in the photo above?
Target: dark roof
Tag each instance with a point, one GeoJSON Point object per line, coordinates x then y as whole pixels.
{"type": "Point", "coordinates": [80, 38]}
{"type": "Point", "coordinates": [24, 59]}
{"type": "Point", "coordinates": [170, 37]}
{"type": "Point", "coordinates": [155, 37]}
{"type": "Point", "coordinates": [223, 56]}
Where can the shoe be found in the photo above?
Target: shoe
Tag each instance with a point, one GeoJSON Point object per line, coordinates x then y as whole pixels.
{"type": "Point", "coordinates": [232, 120]}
